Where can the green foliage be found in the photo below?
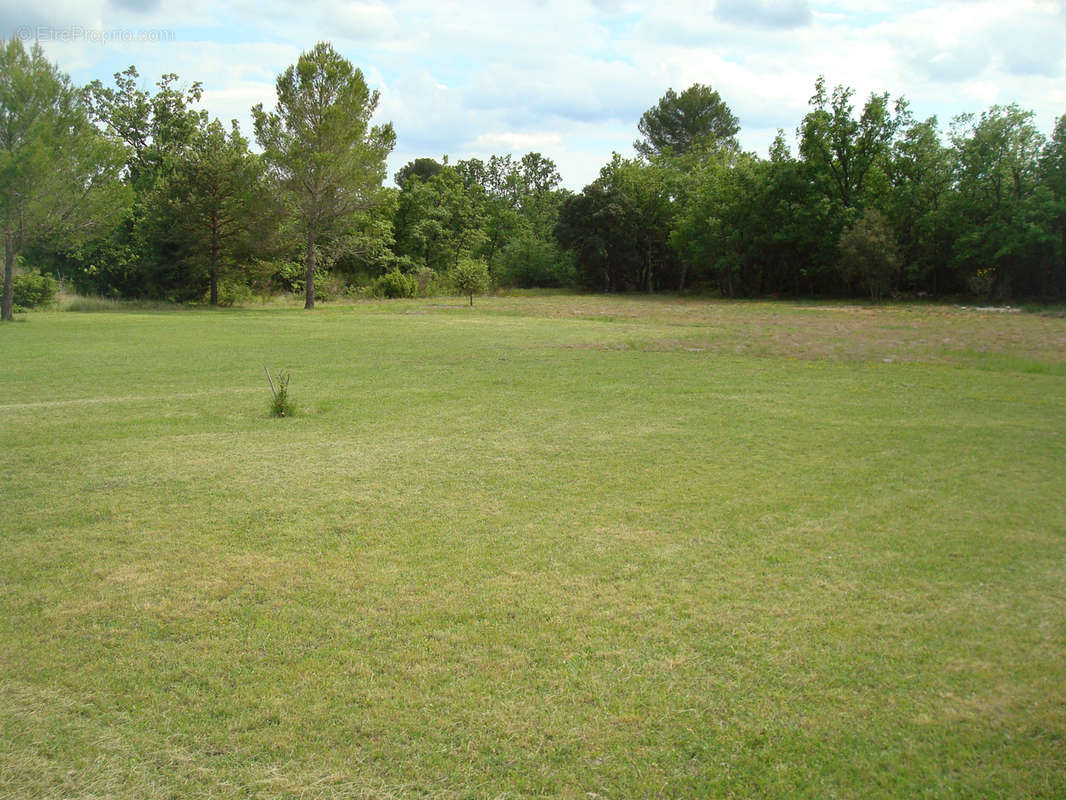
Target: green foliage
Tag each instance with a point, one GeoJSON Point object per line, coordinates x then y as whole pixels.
{"type": "Point", "coordinates": [430, 282]}
{"type": "Point", "coordinates": [152, 251]}
{"type": "Point", "coordinates": [695, 121]}
{"type": "Point", "coordinates": [848, 156]}
{"type": "Point", "coordinates": [469, 277]}
{"type": "Point", "coordinates": [530, 262]}
{"type": "Point", "coordinates": [34, 290]}
{"type": "Point", "coordinates": [169, 204]}
{"type": "Point", "coordinates": [869, 255]}
{"type": "Point", "coordinates": [329, 285]}
{"type": "Point", "coordinates": [212, 204]}
{"type": "Point", "coordinates": [154, 128]}
{"type": "Point", "coordinates": [422, 169]}
{"type": "Point", "coordinates": [618, 228]}
{"type": "Point", "coordinates": [321, 148]}
{"type": "Point", "coordinates": [395, 284]}
{"type": "Point", "coordinates": [287, 275]}
{"type": "Point", "coordinates": [59, 177]}
{"type": "Point", "coordinates": [230, 293]}
{"type": "Point", "coordinates": [920, 172]}
{"type": "Point", "coordinates": [714, 233]}
{"type": "Point", "coordinates": [1003, 217]}
{"type": "Point", "coordinates": [281, 405]}
{"type": "Point", "coordinates": [438, 220]}
{"type": "Point", "coordinates": [291, 275]}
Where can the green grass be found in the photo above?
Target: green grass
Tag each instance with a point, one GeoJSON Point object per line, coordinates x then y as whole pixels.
{"type": "Point", "coordinates": [548, 546]}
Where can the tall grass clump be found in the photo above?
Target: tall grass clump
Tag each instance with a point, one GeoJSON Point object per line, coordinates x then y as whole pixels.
{"type": "Point", "coordinates": [97, 304]}
{"type": "Point", "coordinates": [281, 405]}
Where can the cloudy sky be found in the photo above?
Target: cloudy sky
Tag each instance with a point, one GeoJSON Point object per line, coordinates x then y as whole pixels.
{"type": "Point", "coordinates": [570, 78]}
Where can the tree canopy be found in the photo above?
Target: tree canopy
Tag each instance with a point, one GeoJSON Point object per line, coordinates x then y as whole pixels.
{"type": "Point", "coordinates": [130, 191]}
{"type": "Point", "coordinates": [695, 120]}
{"type": "Point", "coordinates": [321, 147]}
{"type": "Point", "coordinates": [59, 177]}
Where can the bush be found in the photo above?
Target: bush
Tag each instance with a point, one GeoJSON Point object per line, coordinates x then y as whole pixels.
{"type": "Point", "coordinates": [982, 282]}
{"type": "Point", "coordinates": [328, 285]}
{"type": "Point", "coordinates": [532, 263]}
{"type": "Point", "coordinates": [34, 290]}
{"type": "Point", "coordinates": [869, 255]}
{"type": "Point", "coordinates": [232, 293]}
{"type": "Point", "coordinates": [288, 275]}
{"type": "Point", "coordinates": [429, 282]}
{"type": "Point", "coordinates": [395, 284]}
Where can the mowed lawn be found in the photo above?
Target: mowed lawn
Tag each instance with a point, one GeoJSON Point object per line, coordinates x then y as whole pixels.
{"type": "Point", "coordinates": [558, 546]}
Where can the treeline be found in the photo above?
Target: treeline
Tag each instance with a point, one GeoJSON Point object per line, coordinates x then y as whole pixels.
{"type": "Point", "coordinates": [874, 201]}
{"type": "Point", "coordinates": [133, 193]}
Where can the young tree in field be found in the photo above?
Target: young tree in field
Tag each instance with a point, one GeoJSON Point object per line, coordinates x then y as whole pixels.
{"type": "Point", "coordinates": [211, 199]}
{"type": "Point", "coordinates": [59, 177]}
{"type": "Point", "coordinates": [470, 277]}
{"type": "Point", "coordinates": [697, 119]}
{"type": "Point", "coordinates": [321, 148]}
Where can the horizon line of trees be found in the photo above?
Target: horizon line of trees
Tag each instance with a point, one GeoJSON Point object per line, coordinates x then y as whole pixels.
{"type": "Point", "coordinates": [131, 193]}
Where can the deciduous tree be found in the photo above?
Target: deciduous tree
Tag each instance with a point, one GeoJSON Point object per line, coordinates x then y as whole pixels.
{"type": "Point", "coordinates": [846, 154]}
{"type": "Point", "coordinates": [59, 176]}
{"type": "Point", "coordinates": [1003, 215]}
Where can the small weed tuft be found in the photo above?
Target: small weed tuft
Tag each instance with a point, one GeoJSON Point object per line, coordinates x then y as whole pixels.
{"type": "Point", "coordinates": [281, 405]}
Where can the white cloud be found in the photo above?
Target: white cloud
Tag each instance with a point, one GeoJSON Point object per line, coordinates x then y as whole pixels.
{"type": "Point", "coordinates": [572, 78]}
{"type": "Point", "coordinates": [517, 141]}
{"type": "Point", "coordinates": [765, 13]}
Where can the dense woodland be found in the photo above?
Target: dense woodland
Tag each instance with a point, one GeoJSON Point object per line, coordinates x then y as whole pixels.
{"type": "Point", "coordinates": [127, 192]}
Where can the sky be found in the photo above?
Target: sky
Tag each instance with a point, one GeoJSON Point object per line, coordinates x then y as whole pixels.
{"type": "Point", "coordinates": [571, 78]}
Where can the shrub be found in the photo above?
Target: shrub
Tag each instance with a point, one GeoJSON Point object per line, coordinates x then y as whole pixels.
{"type": "Point", "coordinates": [869, 255]}
{"type": "Point", "coordinates": [429, 282]}
{"type": "Point", "coordinates": [529, 262]}
{"type": "Point", "coordinates": [290, 276]}
{"type": "Point", "coordinates": [327, 285]}
{"type": "Point", "coordinates": [982, 282]}
{"type": "Point", "coordinates": [232, 293]}
{"type": "Point", "coordinates": [34, 290]}
{"type": "Point", "coordinates": [395, 284]}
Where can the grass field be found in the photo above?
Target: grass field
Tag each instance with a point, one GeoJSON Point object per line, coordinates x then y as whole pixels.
{"type": "Point", "coordinates": [545, 547]}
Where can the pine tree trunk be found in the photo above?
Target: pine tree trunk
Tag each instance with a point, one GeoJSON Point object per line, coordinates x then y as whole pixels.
{"type": "Point", "coordinates": [8, 309]}
{"type": "Point", "coordinates": [309, 278]}
{"type": "Point", "coordinates": [214, 276]}
{"type": "Point", "coordinates": [214, 260]}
